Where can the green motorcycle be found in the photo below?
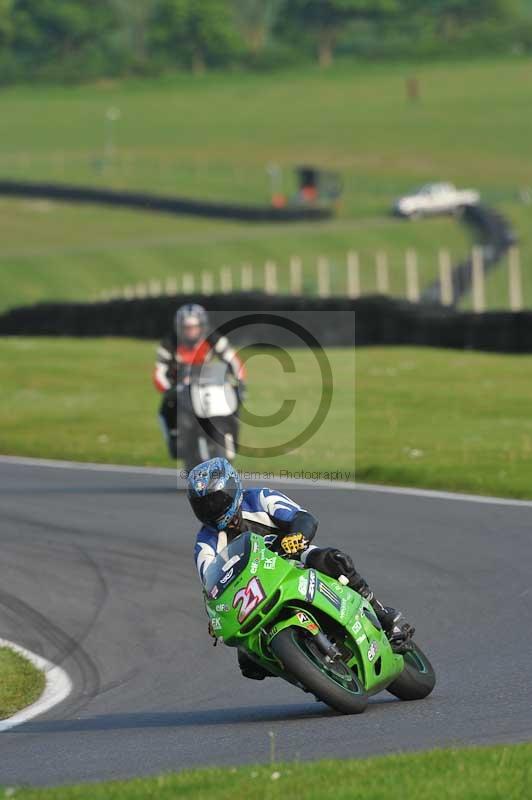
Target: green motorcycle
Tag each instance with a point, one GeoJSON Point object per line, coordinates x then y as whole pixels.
{"type": "Point", "coordinates": [307, 628]}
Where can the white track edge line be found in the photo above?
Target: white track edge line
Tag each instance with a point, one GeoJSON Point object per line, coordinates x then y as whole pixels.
{"type": "Point", "coordinates": [58, 687]}
{"type": "Point", "coordinates": [408, 491]}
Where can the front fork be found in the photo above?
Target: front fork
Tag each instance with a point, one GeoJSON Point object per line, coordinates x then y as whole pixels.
{"type": "Point", "coordinates": [302, 619]}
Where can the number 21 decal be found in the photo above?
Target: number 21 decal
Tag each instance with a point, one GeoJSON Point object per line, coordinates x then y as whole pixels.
{"type": "Point", "coordinates": [250, 597]}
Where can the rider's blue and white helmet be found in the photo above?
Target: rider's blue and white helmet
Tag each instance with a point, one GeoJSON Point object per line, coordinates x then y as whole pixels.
{"type": "Point", "coordinates": [215, 492]}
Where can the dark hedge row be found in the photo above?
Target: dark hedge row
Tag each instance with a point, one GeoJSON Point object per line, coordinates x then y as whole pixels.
{"type": "Point", "coordinates": [160, 203]}
{"type": "Point", "coordinates": [333, 321]}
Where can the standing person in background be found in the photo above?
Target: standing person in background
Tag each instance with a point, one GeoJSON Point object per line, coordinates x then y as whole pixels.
{"type": "Point", "coordinates": [189, 345]}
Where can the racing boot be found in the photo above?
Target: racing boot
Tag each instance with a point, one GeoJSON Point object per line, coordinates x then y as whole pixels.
{"type": "Point", "coordinates": [393, 623]}
{"type": "Point", "coordinates": [250, 669]}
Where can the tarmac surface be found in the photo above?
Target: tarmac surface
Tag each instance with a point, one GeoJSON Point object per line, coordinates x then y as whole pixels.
{"type": "Point", "coordinates": [97, 576]}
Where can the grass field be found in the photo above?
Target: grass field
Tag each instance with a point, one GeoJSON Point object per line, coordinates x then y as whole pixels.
{"type": "Point", "coordinates": [490, 773]}
{"type": "Point", "coordinates": [20, 682]}
{"type": "Point", "coordinates": [432, 418]}
{"type": "Point", "coordinates": [83, 250]}
{"type": "Point", "coordinates": [213, 137]}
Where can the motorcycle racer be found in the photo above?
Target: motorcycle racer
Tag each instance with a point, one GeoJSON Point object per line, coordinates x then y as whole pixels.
{"type": "Point", "coordinates": [226, 509]}
{"type": "Point", "coordinates": [189, 345]}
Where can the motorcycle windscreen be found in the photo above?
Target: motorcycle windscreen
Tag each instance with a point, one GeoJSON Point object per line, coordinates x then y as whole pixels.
{"type": "Point", "coordinates": [228, 565]}
{"type": "Point", "coordinates": [210, 401]}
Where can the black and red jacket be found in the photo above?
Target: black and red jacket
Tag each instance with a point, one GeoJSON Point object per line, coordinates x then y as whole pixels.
{"type": "Point", "coordinates": [174, 359]}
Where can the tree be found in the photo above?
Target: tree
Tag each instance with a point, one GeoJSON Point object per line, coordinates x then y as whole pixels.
{"type": "Point", "coordinates": [325, 18]}
{"type": "Point", "coordinates": [51, 30]}
{"type": "Point", "coordinates": [6, 22]}
{"type": "Point", "coordinates": [195, 33]}
{"type": "Point", "coordinates": [255, 19]}
{"type": "Point", "coordinates": [451, 17]}
{"type": "Point", "coordinates": [133, 18]}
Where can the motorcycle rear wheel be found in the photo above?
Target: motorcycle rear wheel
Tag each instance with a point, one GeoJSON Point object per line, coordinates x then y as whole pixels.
{"type": "Point", "coordinates": [333, 682]}
{"type": "Point", "coordinates": [417, 680]}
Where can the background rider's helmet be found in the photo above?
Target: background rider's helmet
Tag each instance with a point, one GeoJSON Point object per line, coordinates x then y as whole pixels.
{"type": "Point", "coordinates": [215, 492]}
{"type": "Point", "coordinates": [191, 322]}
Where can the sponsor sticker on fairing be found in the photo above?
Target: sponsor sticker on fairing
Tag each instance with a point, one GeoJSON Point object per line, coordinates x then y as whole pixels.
{"type": "Point", "coordinates": [311, 591]}
{"type": "Point", "coordinates": [309, 624]}
{"type": "Point", "coordinates": [248, 598]}
{"type": "Point", "coordinates": [331, 596]}
{"type": "Point", "coordinates": [302, 585]}
{"type": "Point", "coordinates": [254, 567]}
{"type": "Point", "coordinates": [356, 626]}
{"type": "Point", "coordinates": [227, 577]}
{"type": "Point", "coordinates": [222, 608]}
{"type": "Point", "coordinates": [216, 624]}
{"type": "Point", "coordinates": [269, 563]}
{"type": "Point", "coordinates": [373, 650]}
{"type": "Point", "coordinates": [230, 563]}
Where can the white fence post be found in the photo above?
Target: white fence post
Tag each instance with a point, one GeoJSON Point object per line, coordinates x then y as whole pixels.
{"type": "Point", "coordinates": [446, 278]}
{"type": "Point", "coordinates": [141, 290]}
{"type": "Point", "coordinates": [246, 278]}
{"type": "Point", "coordinates": [207, 283]}
{"type": "Point", "coordinates": [381, 265]}
{"type": "Point", "coordinates": [412, 278]}
{"type": "Point", "coordinates": [477, 280]}
{"type": "Point", "coordinates": [515, 287]}
{"type": "Point", "coordinates": [270, 277]}
{"type": "Point", "coordinates": [296, 275]}
{"type": "Point", "coordinates": [155, 288]}
{"type": "Point", "coordinates": [324, 277]}
{"type": "Point", "coordinates": [170, 286]}
{"type": "Point", "coordinates": [353, 274]}
{"type": "Point", "coordinates": [128, 292]}
{"type": "Point", "coordinates": [188, 283]}
{"type": "Point", "coordinates": [226, 280]}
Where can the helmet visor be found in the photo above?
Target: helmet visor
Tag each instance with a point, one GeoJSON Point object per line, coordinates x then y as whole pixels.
{"type": "Point", "coordinates": [210, 508]}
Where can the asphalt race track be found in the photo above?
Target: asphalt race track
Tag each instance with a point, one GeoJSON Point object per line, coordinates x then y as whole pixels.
{"type": "Point", "coordinates": [97, 575]}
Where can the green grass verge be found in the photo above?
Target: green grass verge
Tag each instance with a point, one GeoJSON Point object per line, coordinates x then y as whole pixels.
{"type": "Point", "coordinates": [487, 773]}
{"type": "Point", "coordinates": [20, 682]}
{"type": "Point", "coordinates": [213, 136]}
{"type": "Point", "coordinates": [74, 253]}
{"type": "Point", "coordinates": [431, 418]}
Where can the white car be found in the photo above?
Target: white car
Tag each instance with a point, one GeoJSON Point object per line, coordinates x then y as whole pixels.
{"type": "Point", "coordinates": [435, 198]}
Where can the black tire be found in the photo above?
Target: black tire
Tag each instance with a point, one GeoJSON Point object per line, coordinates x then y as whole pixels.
{"type": "Point", "coordinates": [333, 683]}
{"type": "Point", "coordinates": [216, 449]}
{"type": "Point", "coordinates": [172, 447]}
{"type": "Point", "coordinates": [191, 453]}
{"type": "Point", "coordinates": [418, 678]}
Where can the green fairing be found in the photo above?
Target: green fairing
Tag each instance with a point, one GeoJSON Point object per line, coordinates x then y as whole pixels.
{"type": "Point", "coordinates": [243, 620]}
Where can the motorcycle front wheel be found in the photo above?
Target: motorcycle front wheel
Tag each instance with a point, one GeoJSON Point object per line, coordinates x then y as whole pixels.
{"type": "Point", "coordinates": [331, 681]}
{"type": "Point", "coordinates": [417, 680]}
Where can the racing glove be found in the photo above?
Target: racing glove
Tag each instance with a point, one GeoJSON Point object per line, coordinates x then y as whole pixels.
{"type": "Point", "coordinates": [293, 543]}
